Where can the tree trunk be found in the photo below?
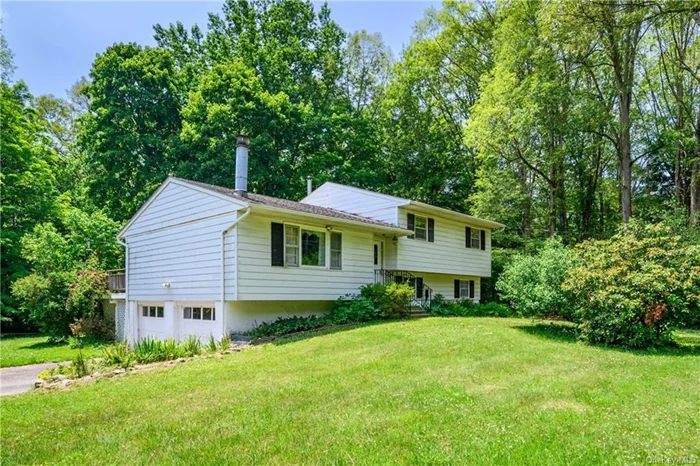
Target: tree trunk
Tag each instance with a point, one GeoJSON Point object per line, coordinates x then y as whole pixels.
{"type": "Point", "coordinates": [561, 198]}
{"type": "Point", "coordinates": [526, 213]}
{"type": "Point", "coordinates": [625, 155]}
{"type": "Point", "coordinates": [695, 177]}
{"type": "Point", "coordinates": [552, 202]}
{"type": "Point", "coordinates": [678, 168]}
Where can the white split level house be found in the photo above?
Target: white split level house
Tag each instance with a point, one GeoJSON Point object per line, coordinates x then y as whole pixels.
{"type": "Point", "coordinates": [207, 260]}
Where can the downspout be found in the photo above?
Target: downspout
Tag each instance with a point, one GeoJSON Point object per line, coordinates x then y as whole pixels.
{"type": "Point", "coordinates": [223, 266]}
{"type": "Point", "coordinates": [126, 282]}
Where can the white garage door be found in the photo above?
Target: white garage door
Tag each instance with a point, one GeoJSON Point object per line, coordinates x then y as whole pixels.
{"type": "Point", "coordinates": [198, 319]}
{"type": "Point", "coordinates": [152, 321]}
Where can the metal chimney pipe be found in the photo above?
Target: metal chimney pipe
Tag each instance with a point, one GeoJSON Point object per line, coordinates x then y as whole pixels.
{"type": "Point", "coordinates": [309, 185]}
{"type": "Point", "coordinates": [242, 145]}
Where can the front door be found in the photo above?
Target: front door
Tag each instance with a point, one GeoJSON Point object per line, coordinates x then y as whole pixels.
{"type": "Point", "coordinates": [378, 255]}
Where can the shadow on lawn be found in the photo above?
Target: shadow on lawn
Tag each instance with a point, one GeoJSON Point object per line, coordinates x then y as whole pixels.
{"type": "Point", "coordinates": [294, 337]}
{"type": "Point", "coordinates": [566, 333]}
{"type": "Point", "coordinates": [44, 344]}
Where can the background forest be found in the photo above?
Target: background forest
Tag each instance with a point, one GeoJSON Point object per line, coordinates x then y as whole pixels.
{"type": "Point", "coordinates": [555, 118]}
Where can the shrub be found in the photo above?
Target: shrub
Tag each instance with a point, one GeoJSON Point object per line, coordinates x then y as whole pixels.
{"type": "Point", "coordinates": [43, 297]}
{"type": "Point", "coordinates": [119, 354]}
{"type": "Point", "coordinates": [356, 309]}
{"type": "Point", "coordinates": [191, 346]}
{"type": "Point", "coordinates": [287, 325]}
{"type": "Point", "coordinates": [375, 301]}
{"type": "Point", "coordinates": [147, 350]}
{"type": "Point", "coordinates": [93, 329]}
{"type": "Point", "coordinates": [439, 306]}
{"type": "Point", "coordinates": [631, 289]}
{"type": "Point", "coordinates": [532, 284]}
{"type": "Point", "coordinates": [394, 302]}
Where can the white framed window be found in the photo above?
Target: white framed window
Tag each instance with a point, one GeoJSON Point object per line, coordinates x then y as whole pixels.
{"type": "Point", "coordinates": [420, 228]}
{"type": "Point", "coordinates": [313, 247]}
{"type": "Point", "coordinates": [476, 238]}
{"type": "Point", "coordinates": [291, 246]}
{"type": "Point", "coordinates": [198, 313]}
{"type": "Point", "coordinates": [336, 251]}
{"type": "Point", "coordinates": [152, 311]}
{"type": "Point", "coordinates": [464, 289]}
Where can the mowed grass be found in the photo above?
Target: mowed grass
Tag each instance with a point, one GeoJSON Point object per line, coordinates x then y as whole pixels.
{"type": "Point", "coordinates": [429, 391]}
{"type": "Point", "coordinates": [35, 349]}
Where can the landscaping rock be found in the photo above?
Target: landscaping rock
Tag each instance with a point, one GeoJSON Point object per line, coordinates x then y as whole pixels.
{"type": "Point", "coordinates": [180, 359]}
{"type": "Point", "coordinates": [67, 383]}
{"type": "Point", "coordinates": [119, 371]}
{"type": "Point", "coordinates": [59, 377]}
{"type": "Point", "coordinates": [38, 383]}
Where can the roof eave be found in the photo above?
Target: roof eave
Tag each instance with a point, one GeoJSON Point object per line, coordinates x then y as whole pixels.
{"type": "Point", "coordinates": [398, 231]}
{"type": "Point", "coordinates": [451, 213]}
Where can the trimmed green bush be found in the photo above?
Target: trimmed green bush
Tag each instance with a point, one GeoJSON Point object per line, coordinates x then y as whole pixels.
{"type": "Point", "coordinates": [532, 284]}
{"type": "Point", "coordinates": [287, 325]}
{"type": "Point", "coordinates": [467, 308]}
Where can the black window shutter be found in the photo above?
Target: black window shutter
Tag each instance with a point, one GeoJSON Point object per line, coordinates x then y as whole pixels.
{"type": "Point", "coordinates": [456, 289]}
{"type": "Point", "coordinates": [411, 223]}
{"type": "Point", "coordinates": [431, 230]}
{"type": "Point", "coordinates": [419, 287]}
{"type": "Point", "coordinates": [471, 288]}
{"type": "Point", "coordinates": [277, 234]}
{"type": "Point", "coordinates": [483, 240]}
{"type": "Point", "coordinates": [468, 237]}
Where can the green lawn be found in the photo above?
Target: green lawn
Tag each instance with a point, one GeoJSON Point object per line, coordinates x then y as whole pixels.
{"type": "Point", "coordinates": [426, 391]}
{"type": "Point", "coordinates": [21, 350]}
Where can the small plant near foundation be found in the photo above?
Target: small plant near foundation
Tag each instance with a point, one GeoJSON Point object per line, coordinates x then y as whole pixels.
{"type": "Point", "coordinates": [225, 343]}
{"type": "Point", "coordinates": [192, 346]}
{"type": "Point", "coordinates": [119, 355]}
{"type": "Point", "coordinates": [212, 344]}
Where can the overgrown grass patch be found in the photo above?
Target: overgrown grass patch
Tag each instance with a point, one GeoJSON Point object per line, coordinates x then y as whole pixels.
{"type": "Point", "coordinates": [36, 349]}
{"type": "Point", "coordinates": [427, 391]}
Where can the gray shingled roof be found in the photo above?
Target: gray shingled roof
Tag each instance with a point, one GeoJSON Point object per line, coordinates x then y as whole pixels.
{"type": "Point", "coordinates": [259, 199]}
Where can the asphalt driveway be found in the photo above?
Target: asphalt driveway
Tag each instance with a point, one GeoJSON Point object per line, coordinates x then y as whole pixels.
{"type": "Point", "coordinates": [14, 380]}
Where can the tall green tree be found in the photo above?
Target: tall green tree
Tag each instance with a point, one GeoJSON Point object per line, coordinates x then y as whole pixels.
{"type": "Point", "coordinates": [27, 181]}
{"type": "Point", "coordinates": [132, 124]}
{"type": "Point", "coordinates": [428, 100]}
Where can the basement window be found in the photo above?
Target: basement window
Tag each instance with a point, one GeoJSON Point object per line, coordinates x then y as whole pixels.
{"type": "Point", "coordinates": [152, 311]}
{"type": "Point", "coordinates": [199, 313]}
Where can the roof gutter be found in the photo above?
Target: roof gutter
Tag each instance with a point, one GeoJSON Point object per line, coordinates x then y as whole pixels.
{"type": "Point", "coordinates": [450, 213]}
{"type": "Point", "coordinates": [223, 268]}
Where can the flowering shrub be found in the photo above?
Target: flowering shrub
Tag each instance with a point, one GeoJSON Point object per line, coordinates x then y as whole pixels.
{"type": "Point", "coordinates": [631, 289]}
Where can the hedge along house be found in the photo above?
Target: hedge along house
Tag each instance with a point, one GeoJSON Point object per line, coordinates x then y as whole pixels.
{"type": "Point", "coordinates": [208, 260]}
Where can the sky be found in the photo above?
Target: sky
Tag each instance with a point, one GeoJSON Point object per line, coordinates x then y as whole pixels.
{"type": "Point", "coordinates": [54, 43]}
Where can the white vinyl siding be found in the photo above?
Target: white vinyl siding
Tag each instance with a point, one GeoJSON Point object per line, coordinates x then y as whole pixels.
{"type": "Point", "coordinates": [356, 201]}
{"type": "Point", "coordinates": [446, 255]}
{"type": "Point", "coordinates": [187, 256]}
{"type": "Point", "coordinates": [177, 204]}
{"type": "Point", "coordinates": [257, 280]}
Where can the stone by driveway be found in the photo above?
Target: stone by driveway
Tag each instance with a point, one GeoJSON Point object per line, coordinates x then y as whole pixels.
{"type": "Point", "coordinates": [14, 380]}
